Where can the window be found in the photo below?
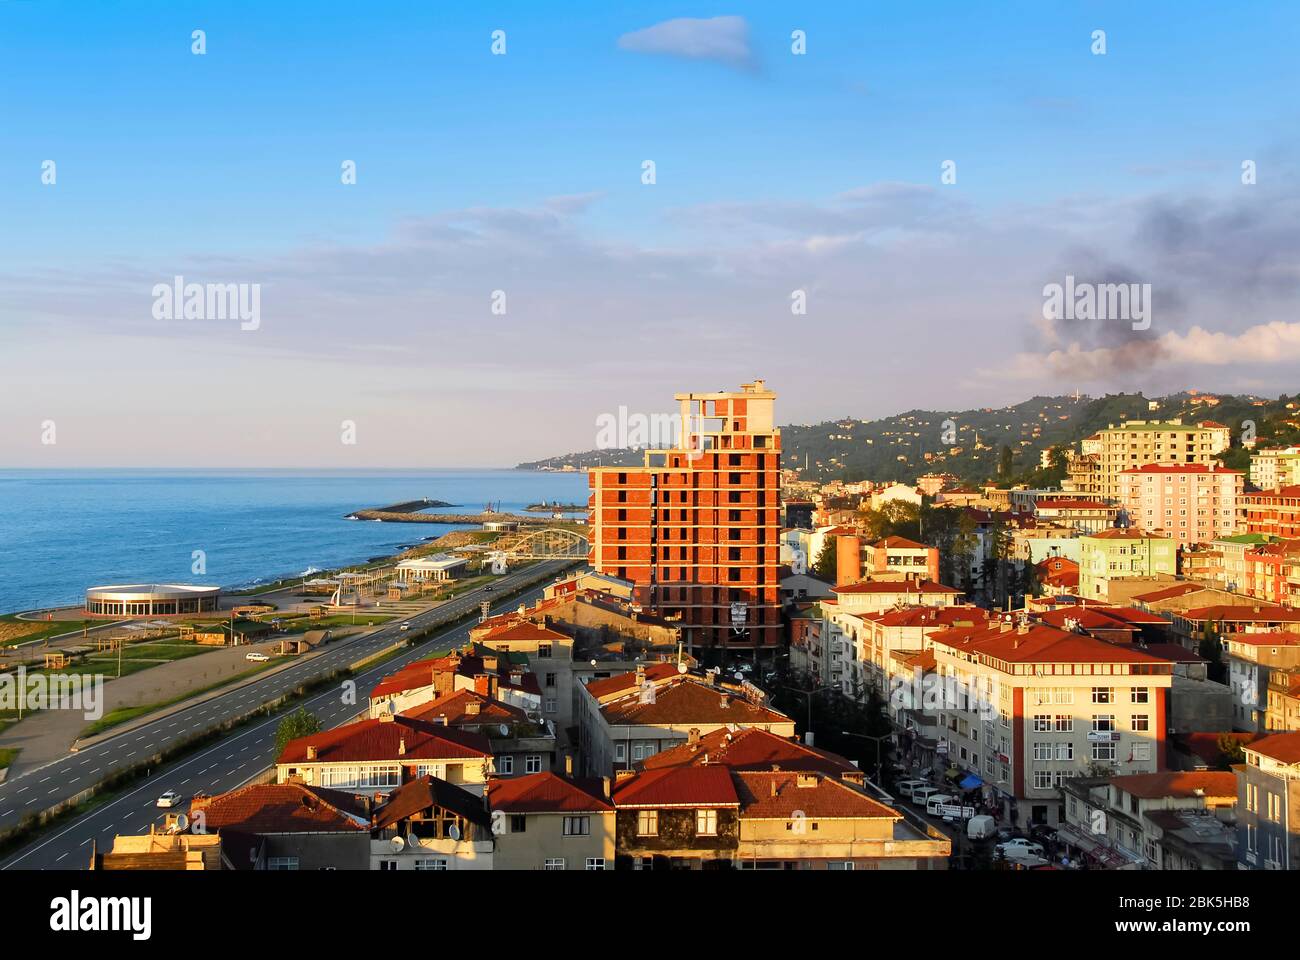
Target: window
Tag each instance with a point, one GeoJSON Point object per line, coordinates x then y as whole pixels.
{"type": "Point", "coordinates": [706, 823]}
{"type": "Point", "coordinates": [1141, 722]}
{"type": "Point", "coordinates": [577, 826]}
{"type": "Point", "coordinates": [1274, 807]}
{"type": "Point", "coordinates": [647, 823]}
{"type": "Point", "coordinates": [434, 863]}
{"type": "Point", "coordinates": [533, 763]}
{"type": "Point", "coordinates": [552, 705]}
{"type": "Point", "coordinates": [544, 651]}
{"type": "Point", "coordinates": [1065, 751]}
{"type": "Point", "coordinates": [550, 679]}
{"type": "Point", "coordinates": [620, 752]}
{"type": "Point", "coordinates": [553, 863]}
{"type": "Point", "coordinates": [505, 764]}
{"type": "Point", "coordinates": [1042, 779]}
{"type": "Point", "coordinates": [1140, 695]}
{"type": "Point", "coordinates": [1064, 724]}
{"type": "Point", "coordinates": [291, 863]}
{"type": "Point", "coordinates": [595, 863]}
{"type": "Point", "coordinates": [1103, 751]}
{"type": "Point", "coordinates": [1103, 695]}
{"type": "Point", "coordinates": [1103, 722]}
{"type": "Point", "coordinates": [1042, 723]}
{"type": "Point", "coordinates": [1042, 751]}
{"type": "Point", "coordinates": [387, 864]}
{"type": "Point", "coordinates": [518, 823]}
{"type": "Point", "coordinates": [839, 865]}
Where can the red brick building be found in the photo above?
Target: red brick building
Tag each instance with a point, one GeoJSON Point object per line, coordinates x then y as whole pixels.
{"type": "Point", "coordinates": [697, 527]}
{"type": "Point", "coordinates": [1276, 513]}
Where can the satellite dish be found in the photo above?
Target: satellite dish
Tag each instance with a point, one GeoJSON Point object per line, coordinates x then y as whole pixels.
{"type": "Point", "coordinates": [398, 844]}
{"type": "Point", "coordinates": [505, 730]}
{"type": "Point", "coordinates": [681, 668]}
{"type": "Point", "coordinates": [593, 663]}
{"type": "Point", "coordinates": [182, 823]}
{"type": "Point", "coordinates": [739, 675]}
{"type": "Point", "coordinates": [454, 832]}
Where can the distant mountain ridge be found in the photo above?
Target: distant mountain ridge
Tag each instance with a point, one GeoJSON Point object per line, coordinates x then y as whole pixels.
{"type": "Point", "coordinates": [907, 445]}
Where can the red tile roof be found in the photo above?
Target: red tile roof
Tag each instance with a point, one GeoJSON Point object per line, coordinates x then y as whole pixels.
{"type": "Point", "coordinates": [901, 543]}
{"type": "Point", "coordinates": [1165, 593]}
{"type": "Point", "coordinates": [628, 681]}
{"type": "Point", "coordinates": [1179, 783]}
{"type": "Point", "coordinates": [689, 701]}
{"type": "Point", "coordinates": [1282, 747]}
{"type": "Point", "coordinates": [1180, 468]}
{"type": "Point", "coordinates": [1258, 613]}
{"type": "Point", "coordinates": [547, 792]}
{"type": "Point", "coordinates": [1041, 644]}
{"type": "Point", "coordinates": [456, 709]}
{"type": "Point", "coordinates": [376, 740]}
{"type": "Point", "coordinates": [749, 749]}
{"type": "Point", "coordinates": [705, 786]}
{"type": "Point", "coordinates": [784, 795]}
{"type": "Point", "coordinates": [895, 586]}
{"type": "Point", "coordinates": [919, 616]}
{"type": "Point", "coordinates": [1126, 533]}
{"type": "Point", "coordinates": [262, 808]}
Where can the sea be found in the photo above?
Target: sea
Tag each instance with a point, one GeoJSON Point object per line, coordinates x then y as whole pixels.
{"type": "Point", "coordinates": [62, 531]}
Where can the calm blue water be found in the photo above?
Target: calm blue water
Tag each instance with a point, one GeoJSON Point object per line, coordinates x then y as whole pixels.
{"type": "Point", "coordinates": [62, 531]}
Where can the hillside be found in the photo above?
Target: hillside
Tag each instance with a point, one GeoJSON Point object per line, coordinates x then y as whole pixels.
{"type": "Point", "coordinates": [906, 445]}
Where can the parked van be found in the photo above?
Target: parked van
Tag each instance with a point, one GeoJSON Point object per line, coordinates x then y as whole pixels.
{"type": "Point", "coordinates": [904, 788]}
{"type": "Point", "coordinates": [981, 827]}
{"type": "Point", "coordinates": [934, 802]}
{"type": "Point", "coordinates": [921, 795]}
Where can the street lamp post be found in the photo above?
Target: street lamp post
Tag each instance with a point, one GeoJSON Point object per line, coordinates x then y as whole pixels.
{"type": "Point", "coordinates": [808, 694]}
{"type": "Point", "coordinates": [867, 736]}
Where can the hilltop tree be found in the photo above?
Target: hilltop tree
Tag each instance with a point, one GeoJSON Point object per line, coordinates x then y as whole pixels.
{"type": "Point", "coordinates": [825, 564]}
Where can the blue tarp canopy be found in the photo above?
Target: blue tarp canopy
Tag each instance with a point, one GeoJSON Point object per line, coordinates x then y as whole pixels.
{"type": "Point", "coordinates": [971, 782]}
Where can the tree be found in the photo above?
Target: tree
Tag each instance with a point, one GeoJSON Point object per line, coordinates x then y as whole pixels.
{"type": "Point", "coordinates": [826, 562]}
{"type": "Point", "coordinates": [300, 723]}
{"type": "Point", "coordinates": [1231, 750]}
{"type": "Point", "coordinates": [1211, 649]}
{"type": "Point", "coordinates": [1005, 467]}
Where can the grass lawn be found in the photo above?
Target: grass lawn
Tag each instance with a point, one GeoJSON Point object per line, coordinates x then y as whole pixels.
{"type": "Point", "coordinates": [7, 757]}
{"type": "Point", "coordinates": [337, 620]}
{"type": "Point", "coordinates": [123, 714]}
{"type": "Point", "coordinates": [155, 651]}
{"type": "Point", "coordinates": [45, 629]}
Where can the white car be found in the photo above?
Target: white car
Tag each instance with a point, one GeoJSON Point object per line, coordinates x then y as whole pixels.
{"type": "Point", "coordinates": [257, 657]}
{"type": "Point", "coordinates": [169, 799]}
{"type": "Point", "coordinates": [1019, 848]}
{"type": "Point", "coordinates": [406, 626]}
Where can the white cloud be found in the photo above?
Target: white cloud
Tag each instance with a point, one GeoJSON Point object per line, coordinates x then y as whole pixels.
{"type": "Point", "coordinates": [723, 39]}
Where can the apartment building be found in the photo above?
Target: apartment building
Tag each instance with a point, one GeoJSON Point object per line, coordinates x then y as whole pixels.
{"type": "Point", "coordinates": [1136, 443]}
{"type": "Point", "coordinates": [1077, 513]}
{"type": "Point", "coordinates": [697, 527]}
{"type": "Point", "coordinates": [1268, 804]}
{"type": "Point", "coordinates": [382, 754]}
{"type": "Point", "coordinates": [549, 822]}
{"type": "Point", "coordinates": [1283, 709]}
{"type": "Point", "coordinates": [1275, 513]}
{"type": "Point", "coordinates": [1190, 503]}
{"type": "Point", "coordinates": [1277, 467]}
{"type": "Point", "coordinates": [1152, 821]}
{"type": "Point", "coordinates": [1112, 556]}
{"type": "Point", "coordinates": [1252, 656]}
{"type": "Point", "coordinates": [429, 824]}
{"type": "Point", "coordinates": [627, 718]}
{"type": "Point", "coordinates": [1026, 707]}
{"type": "Point", "coordinates": [893, 558]}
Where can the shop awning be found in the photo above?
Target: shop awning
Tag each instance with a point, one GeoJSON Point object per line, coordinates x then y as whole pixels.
{"type": "Point", "coordinates": [971, 782]}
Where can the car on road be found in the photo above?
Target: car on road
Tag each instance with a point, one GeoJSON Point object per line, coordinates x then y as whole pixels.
{"type": "Point", "coordinates": [488, 588]}
{"type": "Point", "coordinates": [405, 627]}
{"type": "Point", "coordinates": [257, 657]}
{"type": "Point", "coordinates": [905, 787]}
{"type": "Point", "coordinates": [169, 799]}
{"type": "Point", "coordinates": [1020, 848]}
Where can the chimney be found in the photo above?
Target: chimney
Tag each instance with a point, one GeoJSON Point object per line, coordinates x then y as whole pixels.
{"type": "Point", "coordinates": [605, 786]}
{"type": "Point", "coordinates": [640, 673]}
{"type": "Point", "coordinates": [482, 685]}
{"type": "Point", "coordinates": [472, 708]}
{"type": "Point", "coordinates": [311, 752]}
{"type": "Point", "coordinates": [694, 736]}
{"type": "Point", "coordinates": [1023, 627]}
{"type": "Point", "coordinates": [568, 765]}
{"type": "Point", "coordinates": [401, 747]}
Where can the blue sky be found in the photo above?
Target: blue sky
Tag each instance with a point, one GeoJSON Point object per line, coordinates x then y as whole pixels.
{"type": "Point", "coordinates": [522, 172]}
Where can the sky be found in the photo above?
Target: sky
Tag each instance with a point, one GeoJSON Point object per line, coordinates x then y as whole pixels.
{"type": "Point", "coordinates": [863, 204]}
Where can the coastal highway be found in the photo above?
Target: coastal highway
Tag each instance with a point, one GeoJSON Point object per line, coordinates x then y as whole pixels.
{"type": "Point", "coordinates": [237, 757]}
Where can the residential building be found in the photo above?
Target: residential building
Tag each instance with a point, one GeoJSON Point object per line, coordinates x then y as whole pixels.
{"type": "Point", "coordinates": [548, 822]}
{"type": "Point", "coordinates": [696, 528]}
{"type": "Point", "coordinates": [626, 718]}
{"type": "Point", "coordinates": [1283, 710]}
{"type": "Point", "coordinates": [1252, 657]}
{"type": "Point", "coordinates": [382, 754]}
{"type": "Point", "coordinates": [1152, 821]}
{"type": "Point", "coordinates": [893, 558]}
{"type": "Point", "coordinates": [1026, 707]}
{"type": "Point", "coordinates": [1268, 804]}
{"type": "Point", "coordinates": [1123, 554]}
{"type": "Point", "coordinates": [286, 826]}
{"type": "Point", "coordinates": [1136, 443]}
{"type": "Point", "coordinates": [1276, 467]}
{"type": "Point", "coordinates": [1189, 502]}
{"type": "Point", "coordinates": [520, 744]}
{"type": "Point", "coordinates": [1076, 513]}
{"type": "Point", "coordinates": [1275, 513]}
{"type": "Point", "coordinates": [429, 824]}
